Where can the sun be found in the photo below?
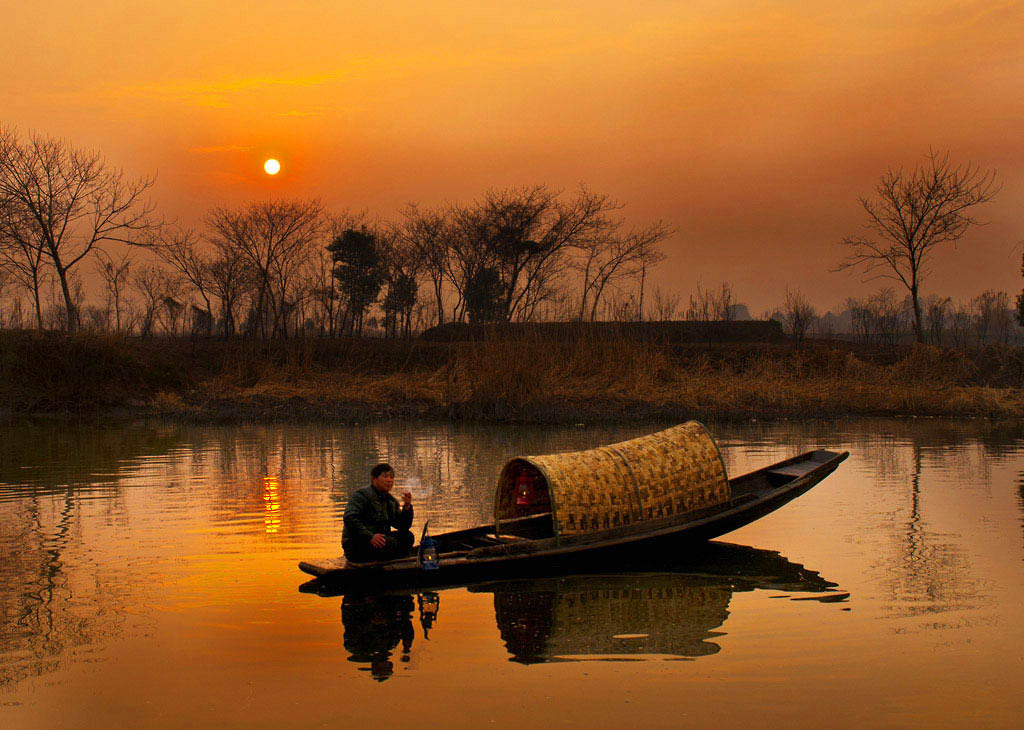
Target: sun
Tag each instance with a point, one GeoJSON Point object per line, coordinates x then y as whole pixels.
{"type": "Point", "coordinates": [272, 166]}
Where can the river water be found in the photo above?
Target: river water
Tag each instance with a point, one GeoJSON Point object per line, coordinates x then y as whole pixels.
{"type": "Point", "coordinates": [149, 580]}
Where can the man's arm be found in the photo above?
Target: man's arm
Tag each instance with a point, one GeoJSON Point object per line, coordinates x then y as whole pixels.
{"type": "Point", "coordinates": [404, 519]}
{"type": "Point", "coordinates": [354, 518]}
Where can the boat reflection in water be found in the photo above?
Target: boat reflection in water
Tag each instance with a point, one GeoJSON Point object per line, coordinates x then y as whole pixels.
{"type": "Point", "coordinates": [595, 617]}
{"type": "Point", "coordinates": [672, 609]}
{"type": "Point", "coordinates": [670, 613]}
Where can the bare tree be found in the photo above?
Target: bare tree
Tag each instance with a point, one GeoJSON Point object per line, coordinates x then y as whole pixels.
{"type": "Point", "coordinates": [5, 280]}
{"type": "Point", "coordinates": [725, 302]}
{"type": "Point", "coordinates": [155, 287]}
{"type": "Point", "coordinates": [860, 321]}
{"type": "Point", "coordinates": [622, 307]}
{"type": "Point", "coordinates": [993, 317]}
{"type": "Point", "coordinates": [231, 280]}
{"type": "Point", "coordinates": [889, 316]}
{"type": "Point", "coordinates": [428, 234]}
{"type": "Point", "coordinates": [825, 326]}
{"type": "Point", "coordinates": [936, 317]}
{"type": "Point", "coordinates": [21, 252]}
{"type": "Point", "coordinates": [610, 256]}
{"type": "Point", "coordinates": [214, 269]}
{"type": "Point", "coordinates": [798, 314]}
{"type": "Point", "coordinates": [323, 294]}
{"type": "Point", "coordinates": [1020, 299]}
{"type": "Point", "coordinates": [173, 307]}
{"type": "Point", "coordinates": [961, 326]}
{"type": "Point", "coordinates": [560, 307]}
{"type": "Point", "coordinates": [55, 316]}
{"type": "Point", "coordinates": [402, 267]}
{"type": "Point", "coordinates": [274, 238]}
{"type": "Point", "coordinates": [878, 319]}
{"type": "Point", "coordinates": [701, 307]}
{"type": "Point", "coordinates": [71, 202]}
{"type": "Point", "coordinates": [710, 305]}
{"type": "Point", "coordinates": [665, 305]}
{"type": "Point", "coordinates": [180, 247]}
{"type": "Point", "coordinates": [525, 235]}
{"type": "Point", "coordinates": [114, 273]}
{"type": "Point", "coordinates": [912, 214]}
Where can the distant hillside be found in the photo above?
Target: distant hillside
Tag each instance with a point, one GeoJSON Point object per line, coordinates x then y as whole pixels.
{"type": "Point", "coordinates": [739, 312]}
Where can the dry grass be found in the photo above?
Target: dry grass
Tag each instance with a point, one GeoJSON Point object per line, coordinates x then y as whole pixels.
{"type": "Point", "coordinates": [535, 379]}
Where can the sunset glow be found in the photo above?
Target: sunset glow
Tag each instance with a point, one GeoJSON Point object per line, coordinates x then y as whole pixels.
{"type": "Point", "coordinates": [750, 129]}
{"type": "Point", "coordinates": [272, 167]}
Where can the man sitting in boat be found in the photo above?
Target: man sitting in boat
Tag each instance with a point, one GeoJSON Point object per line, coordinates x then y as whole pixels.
{"type": "Point", "coordinates": [369, 516]}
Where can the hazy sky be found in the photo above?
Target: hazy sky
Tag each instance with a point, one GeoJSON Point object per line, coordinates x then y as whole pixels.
{"type": "Point", "coordinates": [750, 127]}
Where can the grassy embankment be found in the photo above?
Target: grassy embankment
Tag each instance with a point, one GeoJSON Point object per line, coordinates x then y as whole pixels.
{"type": "Point", "coordinates": [539, 379]}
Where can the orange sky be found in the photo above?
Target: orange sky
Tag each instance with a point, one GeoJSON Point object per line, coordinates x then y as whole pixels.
{"type": "Point", "coordinates": [750, 127]}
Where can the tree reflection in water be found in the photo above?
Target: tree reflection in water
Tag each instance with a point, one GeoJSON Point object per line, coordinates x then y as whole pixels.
{"type": "Point", "coordinates": [1020, 496]}
{"type": "Point", "coordinates": [47, 615]}
{"type": "Point", "coordinates": [671, 610]}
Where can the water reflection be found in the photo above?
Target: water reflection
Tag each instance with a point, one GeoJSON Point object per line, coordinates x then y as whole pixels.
{"type": "Point", "coordinates": [572, 619]}
{"type": "Point", "coordinates": [927, 573]}
{"type": "Point", "coordinates": [374, 627]}
{"type": "Point", "coordinates": [97, 521]}
{"type": "Point", "coordinates": [49, 612]}
{"type": "Point", "coordinates": [674, 612]}
{"type": "Point", "coordinates": [919, 471]}
{"type": "Point", "coordinates": [272, 504]}
{"type": "Point", "coordinates": [429, 606]}
{"type": "Point", "coordinates": [1020, 497]}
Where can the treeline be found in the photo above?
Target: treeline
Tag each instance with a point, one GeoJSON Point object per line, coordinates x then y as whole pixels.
{"type": "Point", "coordinates": [884, 319]}
{"type": "Point", "coordinates": [279, 268]}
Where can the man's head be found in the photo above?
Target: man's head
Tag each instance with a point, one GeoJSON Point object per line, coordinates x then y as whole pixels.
{"type": "Point", "coordinates": [382, 477]}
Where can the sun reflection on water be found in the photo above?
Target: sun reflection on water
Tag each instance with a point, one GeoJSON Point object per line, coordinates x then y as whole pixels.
{"type": "Point", "coordinates": [271, 505]}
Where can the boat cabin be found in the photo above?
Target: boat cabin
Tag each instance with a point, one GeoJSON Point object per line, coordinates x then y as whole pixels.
{"type": "Point", "coordinates": [660, 475]}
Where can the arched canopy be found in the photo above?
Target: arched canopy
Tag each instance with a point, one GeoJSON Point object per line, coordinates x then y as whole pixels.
{"type": "Point", "coordinates": [663, 474]}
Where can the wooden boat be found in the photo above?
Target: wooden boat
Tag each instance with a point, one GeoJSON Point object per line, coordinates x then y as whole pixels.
{"type": "Point", "coordinates": [632, 500]}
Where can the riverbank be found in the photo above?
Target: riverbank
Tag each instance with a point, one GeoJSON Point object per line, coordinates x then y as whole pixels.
{"type": "Point", "coordinates": [538, 380]}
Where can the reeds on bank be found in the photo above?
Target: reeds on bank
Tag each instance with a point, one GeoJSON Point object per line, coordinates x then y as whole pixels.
{"type": "Point", "coordinates": [535, 378]}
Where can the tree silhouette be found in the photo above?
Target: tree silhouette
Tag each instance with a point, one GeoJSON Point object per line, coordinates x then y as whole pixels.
{"type": "Point", "coordinates": [274, 240]}
{"type": "Point", "coordinates": [484, 296]}
{"type": "Point", "coordinates": [912, 214]}
{"type": "Point", "coordinates": [358, 270]}
{"type": "Point", "coordinates": [1020, 298]}
{"type": "Point", "coordinates": [399, 302]}
{"type": "Point", "coordinates": [61, 203]}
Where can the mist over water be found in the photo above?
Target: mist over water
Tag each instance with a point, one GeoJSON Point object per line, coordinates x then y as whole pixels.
{"type": "Point", "coordinates": [149, 578]}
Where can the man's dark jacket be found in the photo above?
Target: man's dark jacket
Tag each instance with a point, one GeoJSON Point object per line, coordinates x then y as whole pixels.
{"type": "Point", "coordinates": [369, 513]}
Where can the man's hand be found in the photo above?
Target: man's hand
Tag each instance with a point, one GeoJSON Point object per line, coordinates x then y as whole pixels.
{"type": "Point", "coordinates": [406, 499]}
{"type": "Point", "coordinates": [378, 541]}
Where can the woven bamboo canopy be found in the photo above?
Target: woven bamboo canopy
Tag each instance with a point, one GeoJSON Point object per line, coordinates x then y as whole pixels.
{"type": "Point", "coordinates": [660, 475]}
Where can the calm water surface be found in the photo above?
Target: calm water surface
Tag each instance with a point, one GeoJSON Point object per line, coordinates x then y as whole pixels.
{"type": "Point", "coordinates": [149, 580]}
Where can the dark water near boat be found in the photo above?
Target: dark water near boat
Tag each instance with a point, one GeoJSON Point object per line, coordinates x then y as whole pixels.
{"type": "Point", "coordinates": [149, 580]}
